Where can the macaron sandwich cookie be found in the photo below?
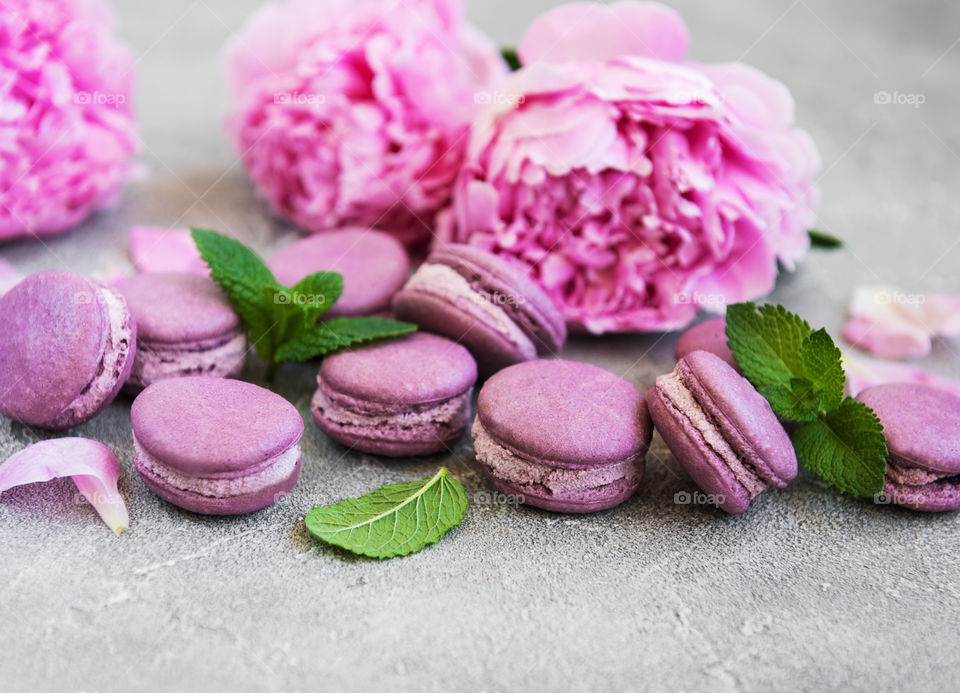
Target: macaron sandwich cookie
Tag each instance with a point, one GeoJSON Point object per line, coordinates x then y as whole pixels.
{"type": "Point", "coordinates": [406, 396]}
{"type": "Point", "coordinates": [562, 435]}
{"type": "Point", "coordinates": [216, 446]}
{"type": "Point", "coordinates": [374, 266]}
{"type": "Point", "coordinates": [66, 347]}
{"type": "Point", "coordinates": [709, 335]}
{"type": "Point", "coordinates": [721, 430]}
{"type": "Point", "coordinates": [922, 427]}
{"type": "Point", "coordinates": [185, 326]}
{"type": "Point", "coordinates": [482, 301]}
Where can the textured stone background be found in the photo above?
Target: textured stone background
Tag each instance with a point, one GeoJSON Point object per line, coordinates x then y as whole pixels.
{"type": "Point", "coordinates": [807, 591]}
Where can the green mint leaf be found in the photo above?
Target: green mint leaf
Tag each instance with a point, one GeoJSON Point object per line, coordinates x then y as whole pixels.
{"type": "Point", "coordinates": [395, 520]}
{"type": "Point", "coordinates": [511, 57]}
{"type": "Point", "coordinates": [241, 275]}
{"type": "Point", "coordinates": [846, 448]}
{"type": "Point", "coordinates": [331, 335]}
{"type": "Point", "coordinates": [821, 240]}
{"type": "Point", "coordinates": [317, 293]}
{"type": "Point", "coordinates": [799, 401]}
{"type": "Point", "coordinates": [766, 343]}
{"type": "Point", "coordinates": [823, 368]}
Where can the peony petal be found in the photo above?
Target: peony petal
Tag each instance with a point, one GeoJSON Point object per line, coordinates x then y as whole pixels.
{"type": "Point", "coordinates": [863, 373]}
{"type": "Point", "coordinates": [92, 465]}
{"type": "Point", "coordinates": [160, 250]}
{"type": "Point", "coordinates": [9, 276]}
{"type": "Point", "coordinates": [892, 324]}
{"type": "Point", "coordinates": [591, 31]}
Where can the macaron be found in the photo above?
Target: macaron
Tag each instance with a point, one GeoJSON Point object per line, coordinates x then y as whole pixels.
{"type": "Point", "coordinates": [185, 326]}
{"type": "Point", "coordinates": [922, 427]}
{"type": "Point", "coordinates": [216, 446]}
{"type": "Point", "coordinates": [406, 396]}
{"type": "Point", "coordinates": [721, 430]}
{"type": "Point", "coordinates": [66, 348]}
{"type": "Point", "coordinates": [561, 435]}
{"type": "Point", "coordinates": [374, 266]}
{"type": "Point", "coordinates": [709, 335]}
{"type": "Point", "coordinates": [484, 302]}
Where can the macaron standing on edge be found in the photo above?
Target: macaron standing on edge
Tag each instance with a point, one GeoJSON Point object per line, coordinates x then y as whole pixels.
{"type": "Point", "coordinates": [216, 446]}
{"type": "Point", "coordinates": [405, 396]}
{"type": "Point", "coordinates": [374, 266]}
{"type": "Point", "coordinates": [185, 326]}
{"type": "Point", "coordinates": [484, 302]}
{"type": "Point", "coordinates": [562, 435]}
{"type": "Point", "coordinates": [922, 427]}
{"type": "Point", "coordinates": [709, 335]}
{"type": "Point", "coordinates": [721, 430]}
{"type": "Point", "coordinates": [66, 348]}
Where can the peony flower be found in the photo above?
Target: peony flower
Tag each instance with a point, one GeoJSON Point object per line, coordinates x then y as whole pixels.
{"type": "Point", "coordinates": [356, 112]}
{"type": "Point", "coordinates": [636, 187]}
{"type": "Point", "coordinates": [67, 132]}
{"type": "Point", "coordinates": [896, 325]}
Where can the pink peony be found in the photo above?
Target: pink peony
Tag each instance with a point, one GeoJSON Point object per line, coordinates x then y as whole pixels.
{"type": "Point", "coordinates": [636, 187]}
{"type": "Point", "coordinates": [67, 132]}
{"type": "Point", "coordinates": [356, 112]}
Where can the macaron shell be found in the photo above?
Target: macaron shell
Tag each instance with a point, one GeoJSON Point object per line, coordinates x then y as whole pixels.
{"type": "Point", "coordinates": [53, 333]}
{"type": "Point", "coordinates": [374, 266]}
{"type": "Point", "coordinates": [525, 300]}
{"type": "Point", "coordinates": [211, 427]}
{"type": "Point", "coordinates": [709, 335]}
{"type": "Point", "coordinates": [173, 308]}
{"type": "Point", "coordinates": [939, 496]}
{"type": "Point", "coordinates": [921, 423]}
{"type": "Point", "coordinates": [206, 505]}
{"type": "Point", "coordinates": [565, 413]}
{"type": "Point", "coordinates": [707, 469]}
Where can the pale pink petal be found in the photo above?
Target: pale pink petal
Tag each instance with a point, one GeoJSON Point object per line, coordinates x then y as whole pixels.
{"type": "Point", "coordinates": [9, 276]}
{"type": "Point", "coordinates": [892, 324]}
{"type": "Point", "coordinates": [92, 466]}
{"type": "Point", "coordinates": [591, 31]}
{"type": "Point", "coordinates": [165, 250]}
{"type": "Point", "coordinates": [863, 373]}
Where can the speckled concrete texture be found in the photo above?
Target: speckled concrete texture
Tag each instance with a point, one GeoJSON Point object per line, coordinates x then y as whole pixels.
{"type": "Point", "coordinates": [806, 591]}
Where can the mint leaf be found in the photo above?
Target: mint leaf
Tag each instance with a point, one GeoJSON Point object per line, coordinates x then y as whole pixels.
{"type": "Point", "coordinates": [821, 240]}
{"type": "Point", "coordinates": [823, 368]}
{"type": "Point", "coordinates": [799, 401]}
{"type": "Point", "coordinates": [511, 57]}
{"type": "Point", "coordinates": [394, 520]}
{"type": "Point", "coordinates": [846, 448]}
{"type": "Point", "coordinates": [766, 343]}
{"type": "Point", "coordinates": [331, 335]}
{"type": "Point", "coordinates": [241, 275]}
{"type": "Point", "coordinates": [317, 293]}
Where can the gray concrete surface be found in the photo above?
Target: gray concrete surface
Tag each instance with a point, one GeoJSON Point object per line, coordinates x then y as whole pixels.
{"type": "Point", "coordinates": [808, 591]}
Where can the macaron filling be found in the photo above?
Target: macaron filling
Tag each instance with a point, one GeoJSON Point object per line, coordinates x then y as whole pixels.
{"type": "Point", "coordinates": [116, 350]}
{"type": "Point", "coordinates": [445, 283]}
{"type": "Point", "coordinates": [686, 407]}
{"type": "Point", "coordinates": [507, 465]}
{"type": "Point", "coordinates": [219, 358]}
{"type": "Point", "coordinates": [272, 472]}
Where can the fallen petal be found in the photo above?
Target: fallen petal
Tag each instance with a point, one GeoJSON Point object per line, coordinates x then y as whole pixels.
{"type": "Point", "coordinates": [92, 465]}
{"type": "Point", "coordinates": [165, 250]}
{"type": "Point", "coordinates": [864, 373]}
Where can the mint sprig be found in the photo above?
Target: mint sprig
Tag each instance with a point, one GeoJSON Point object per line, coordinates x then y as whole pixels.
{"type": "Point", "coordinates": [395, 520]}
{"type": "Point", "coordinates": [821, 240]}
{"type": "Point", "coordinates": [799, 370]}
{"type": "Point", "coordinates": [281, 321]}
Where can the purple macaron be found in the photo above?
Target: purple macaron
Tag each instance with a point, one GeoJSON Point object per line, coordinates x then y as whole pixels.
{"type": "Point", "coordinates": [922, 427]}
{"type": "Point", "coordinates": [721, 430]}
{"type": "Point", "coordinates": [710, 335]}
{"type": "Point", "coordinates": [374, 266]}
{"type": "Point", "coordinates": [185, 326]}
{"type": "Point", "coordinates": [216, 446]}
{"type": "Point", "coordinates": [484, 302]}
{"type": "Point", "coordinates": [406, 396]}
{"type": "Point", "coordinates": [66, 347]}
{"type": "Point", "coordinates": [562, 435]}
